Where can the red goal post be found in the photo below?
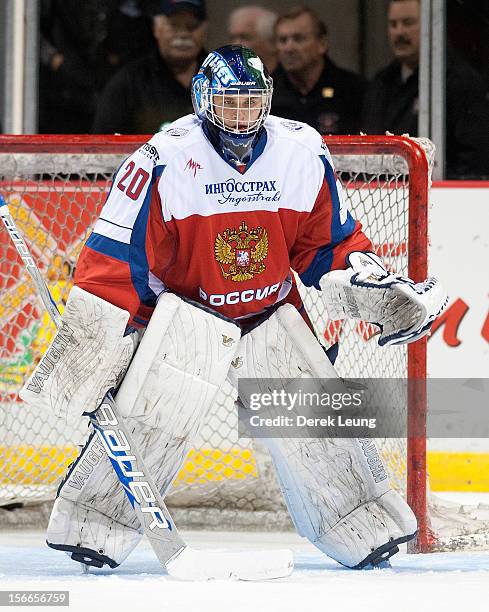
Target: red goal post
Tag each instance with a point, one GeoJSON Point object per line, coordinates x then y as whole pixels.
{"type": "Point", "coordinates": [419, 185]}
{"type": "Point", "coordinates": [30, 163]}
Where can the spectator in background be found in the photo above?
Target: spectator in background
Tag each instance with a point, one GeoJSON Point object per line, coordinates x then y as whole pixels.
{"type": "Point", "coordinates": [82, 45]}
{"type": "Point", "coordinates": [253, 26]}
{"type": "Point", "coordinates": [154, 90]}
{"type": "Point", "coordinates": [391, 103]}
{"type": "Point", "coordinates": [308, 85]}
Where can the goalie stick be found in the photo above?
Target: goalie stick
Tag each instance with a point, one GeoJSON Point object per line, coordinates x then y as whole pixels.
{"type": "Point", "coordinates": [174, 554]}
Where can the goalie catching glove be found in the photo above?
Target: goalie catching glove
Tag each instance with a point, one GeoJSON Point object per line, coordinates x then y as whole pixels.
{"type": "Point", "coordinates": [404, 310]}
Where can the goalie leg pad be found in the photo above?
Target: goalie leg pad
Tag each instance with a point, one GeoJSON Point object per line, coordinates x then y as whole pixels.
{"type": "Point", "coordinates": [337, 490]}
{"type": "Point", "coordinates": [335, 502]}
{"type": "Point", "coordinates": [76, 526]}
{"type": "Point", "coordinates": [181, 362]}
{"type": "Point", "coordinates": [91, 514]}
{"type": "Point", "coordinates": [88, 356]}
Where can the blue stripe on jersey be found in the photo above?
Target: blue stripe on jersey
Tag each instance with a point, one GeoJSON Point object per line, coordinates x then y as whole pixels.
{"type": "Point", "coordinates": [109, 246]}
{"type": "Point", "coordinates": [323, 259]}
{"type": "Point", "coordinates": [319, 266]}
{"type": "Point", "coordinates": [138, 262]}
{"type": "Point", "coordinates": [338, 231]}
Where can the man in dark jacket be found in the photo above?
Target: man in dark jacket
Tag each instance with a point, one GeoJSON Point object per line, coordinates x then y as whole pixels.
{"type": "Point", "coordinates": [154, 90]}
{"type": "Point", "coordinates": [392, 99]}
{"type": "Point", "coordinates": [308, 86]}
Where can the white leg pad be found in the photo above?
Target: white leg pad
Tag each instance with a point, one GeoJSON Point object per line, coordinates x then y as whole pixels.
{"type": "Point", "coordinates": [181, 362]}
{"type": "Point", "coordinates": [88, 356]}
{"type": "Point", "coordinates": [337, 490]}
{"type": "Point", "coordinates": [76, 528]}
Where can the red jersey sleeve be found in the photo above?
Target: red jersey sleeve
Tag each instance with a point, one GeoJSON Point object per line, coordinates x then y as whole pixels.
{"type": "Point", "coordinates": [327, 234]}
{"type": "Point", "coordinates": [125, 256]}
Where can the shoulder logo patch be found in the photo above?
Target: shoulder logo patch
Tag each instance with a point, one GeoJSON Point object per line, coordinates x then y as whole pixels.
{"type": "Point", "coordinates": [176, 132]}
{"type": "Point", "coordinates": [292, 125]}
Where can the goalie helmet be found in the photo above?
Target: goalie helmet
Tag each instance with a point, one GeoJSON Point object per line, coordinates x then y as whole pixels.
{"type": "Point", "coordinates": [231, 94]}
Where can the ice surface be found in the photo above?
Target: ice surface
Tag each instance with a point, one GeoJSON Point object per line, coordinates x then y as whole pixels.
{"type": "Point", "coordinates": [438, 582]}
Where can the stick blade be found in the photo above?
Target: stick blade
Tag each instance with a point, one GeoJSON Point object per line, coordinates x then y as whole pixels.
{"type": "Point", "coordinates": [192, 564]}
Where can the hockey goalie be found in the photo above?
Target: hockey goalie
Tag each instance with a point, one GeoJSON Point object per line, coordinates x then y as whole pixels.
{"type": "Point", "coordinates": [188, 272]}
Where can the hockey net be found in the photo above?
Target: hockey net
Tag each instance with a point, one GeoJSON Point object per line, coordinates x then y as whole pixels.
{"type": "Point", "coordinates": [55, 187]}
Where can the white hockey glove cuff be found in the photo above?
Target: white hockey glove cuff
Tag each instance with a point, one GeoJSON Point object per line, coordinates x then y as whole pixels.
{"type": "Point", "coordinates": [404, 310]}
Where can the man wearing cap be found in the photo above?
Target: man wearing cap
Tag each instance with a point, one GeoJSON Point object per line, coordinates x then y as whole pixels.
{"type": "Point", "coordinates": [154, 90]}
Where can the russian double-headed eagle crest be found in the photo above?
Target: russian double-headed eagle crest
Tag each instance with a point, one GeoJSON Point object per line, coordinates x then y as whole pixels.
{"type": "Point", "coordinates": [240, 253]}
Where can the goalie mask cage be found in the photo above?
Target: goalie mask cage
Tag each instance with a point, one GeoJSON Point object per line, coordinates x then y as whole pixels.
{"type": "Point", "coordinates": [55, 187]}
